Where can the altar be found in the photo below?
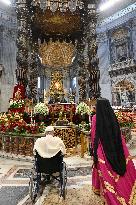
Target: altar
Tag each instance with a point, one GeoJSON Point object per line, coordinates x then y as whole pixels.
{"type": "Point", "coordinates": [65, 109]}
{"type": "Point", "coordinates": [20, 128]}
{"type": "Point", "coordinates": [68, 136]}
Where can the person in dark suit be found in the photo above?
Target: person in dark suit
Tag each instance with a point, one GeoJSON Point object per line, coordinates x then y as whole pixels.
{"type": "Point", "coordinates": [63, 100]}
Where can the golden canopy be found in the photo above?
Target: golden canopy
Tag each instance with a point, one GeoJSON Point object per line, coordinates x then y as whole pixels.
{"type": "Point", "coordinates": [48, 22]}
{"type": "Point", "coordinates": [57, 54]}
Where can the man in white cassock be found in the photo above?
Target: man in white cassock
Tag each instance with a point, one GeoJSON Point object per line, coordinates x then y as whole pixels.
{"type": "Point", "coordinates": [49, 145]}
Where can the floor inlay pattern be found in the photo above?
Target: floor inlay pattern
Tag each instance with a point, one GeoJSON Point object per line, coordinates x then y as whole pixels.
{"type": "Point", "coordinates": [15, 182]}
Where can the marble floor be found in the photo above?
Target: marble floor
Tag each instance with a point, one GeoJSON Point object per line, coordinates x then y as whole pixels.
{"type": "Point", "coordinates": [14, 179]}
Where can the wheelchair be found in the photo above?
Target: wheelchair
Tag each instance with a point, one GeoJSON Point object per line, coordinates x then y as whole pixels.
{"type": "Point", "coordinates": [43, 171]}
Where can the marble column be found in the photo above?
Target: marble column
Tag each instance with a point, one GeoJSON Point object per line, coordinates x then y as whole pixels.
{"type": "Point", "coordinates": [134, 37]}
{"type": "Point", "coordinates": [8, 62]}
{"type": "Point", "coordinates": [89, 71]}
{"type": "Point", "coordinates": [93, 67]}
{"type": "Point", "coordinates": [23, 39]}
{"type": "Point", "coordinates": [104, 64]}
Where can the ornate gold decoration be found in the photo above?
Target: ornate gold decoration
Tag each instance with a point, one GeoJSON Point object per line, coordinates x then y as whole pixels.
{"type": "Point", "coordinates": [101, 161]}
{"type": "Point", "coordinates": [56, 20]}
{"type": "Point", "coordinates": [68, 135]}
{"type": "Point", "coordinates": [109, 187]}
{"type": "Point", "coordinates": [119, 34]}
{"type": "Point", "coordinates": [57, 23]}
{"type": "Point", "coordinates": [121, 200]}
{"type": "Point", "coordinates": [56, 87]}
{"type": "Point", "coordinates": [132, 200]}
{"type": "Point", "coordinates": [116, 178]}
{"type": "Point", "coordinates": [124, 85]}
{"type": "Point", "coordinates": [18, 94]}
{"type": "Point", "coordinates": [57, 54]}
{"type": "Point", "coordinates": [100, 173]}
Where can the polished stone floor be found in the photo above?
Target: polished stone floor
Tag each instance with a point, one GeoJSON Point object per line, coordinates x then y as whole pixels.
{"type": "Point", "coordinates": [14, 179]}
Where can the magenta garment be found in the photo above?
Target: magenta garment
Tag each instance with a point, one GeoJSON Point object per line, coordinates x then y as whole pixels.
{"type": "Point", "coordinates": [115, 189]}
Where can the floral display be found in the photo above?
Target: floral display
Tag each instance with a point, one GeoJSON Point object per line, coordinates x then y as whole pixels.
{"type": "Point", "coordinates": [14, 123]}
{"type": "Point", "coordinates": [16, 103]}
{"type": "Point", "coordinates": [125, 119]}
{"type": "Point", "coordinates": [41, 108]}
{"type": "Point", "coordinates": [83, 109]}
{"type": "Point", "coordinates": [84, 126]}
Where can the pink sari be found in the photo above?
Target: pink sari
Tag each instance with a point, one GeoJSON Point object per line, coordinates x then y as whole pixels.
{"type": "Point", "coordinates": [115, 189]}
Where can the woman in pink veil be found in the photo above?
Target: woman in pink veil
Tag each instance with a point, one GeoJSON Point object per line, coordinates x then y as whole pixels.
{"type": "Point", "coordinates": [114, 174]}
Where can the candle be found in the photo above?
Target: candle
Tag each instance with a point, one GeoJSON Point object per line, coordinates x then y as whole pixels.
{"type": "Point", "coordinates": [39, 41]}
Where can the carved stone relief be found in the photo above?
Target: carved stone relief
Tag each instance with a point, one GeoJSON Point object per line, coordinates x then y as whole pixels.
{"type": "Point", "coordinates": [123, 90]}
{"type": "Point", "coordinates": [119, 45]}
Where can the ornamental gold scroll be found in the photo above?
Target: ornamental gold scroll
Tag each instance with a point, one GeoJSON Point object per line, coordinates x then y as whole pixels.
{"type": "Point", "coordinates": [57, 54]}
{"type": "Point", "coordinates": [120, 34]}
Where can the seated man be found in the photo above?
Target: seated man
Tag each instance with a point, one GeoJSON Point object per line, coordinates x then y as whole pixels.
{"type": "Point", "coordinates": [49, 145]}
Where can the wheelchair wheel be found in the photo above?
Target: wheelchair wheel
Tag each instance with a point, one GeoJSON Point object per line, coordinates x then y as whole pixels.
{"type": "Point", "coordinates": [64, 181]}
{"type": "Point", "coordinates": [32, 189]}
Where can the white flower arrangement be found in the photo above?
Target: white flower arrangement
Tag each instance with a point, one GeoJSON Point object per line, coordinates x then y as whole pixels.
{"type": "Point", "coordinates": [41, 108]}
{"type": "Point", "coordinates": [83, 108]}
{"type": "Point", "coordinates": [16, 103]}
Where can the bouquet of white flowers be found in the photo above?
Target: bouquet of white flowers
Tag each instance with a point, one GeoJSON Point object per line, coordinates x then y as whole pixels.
{"type": "Point", "coordinates": [83, 109]}
{"type": "Point", "coordinates": [41, 108]}
{"type": "Point", "coordinates": [16, 103]}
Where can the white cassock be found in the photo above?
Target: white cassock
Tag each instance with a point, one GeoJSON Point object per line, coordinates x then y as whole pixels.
{"type": "Point", "coordinates": [49, 146]}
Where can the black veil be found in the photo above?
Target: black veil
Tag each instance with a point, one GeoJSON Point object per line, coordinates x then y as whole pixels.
{"type": "Point", "coordinates": [108, 132]}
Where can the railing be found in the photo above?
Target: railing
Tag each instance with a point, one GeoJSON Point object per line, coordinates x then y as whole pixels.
{"type": "Point", "coordinates": [22, 145]}
{"type": "Point", "coordinates": [18, 145]}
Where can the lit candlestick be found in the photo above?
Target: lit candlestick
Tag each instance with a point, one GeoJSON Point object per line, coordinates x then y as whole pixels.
{"type": "Point", "coordinates": [31, 117]}
{"type": "Point", "coordinates": [44, 96]}
{"type": "Point", "coordinates": [31, 120]}
{"type": "Point", "coordinates": [31, 113]}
